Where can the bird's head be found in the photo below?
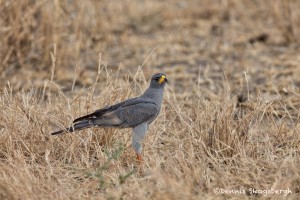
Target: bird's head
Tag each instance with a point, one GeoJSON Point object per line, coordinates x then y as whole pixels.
{"type": "Point", "coordinates": [158, 80]}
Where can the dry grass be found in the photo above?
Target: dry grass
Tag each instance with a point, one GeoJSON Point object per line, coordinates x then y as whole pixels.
{"type": "Point", "coordinates": [230, 117]}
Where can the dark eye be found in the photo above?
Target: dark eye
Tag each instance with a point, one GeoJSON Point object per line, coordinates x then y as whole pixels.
{"type": "Point", "coordinates": [157, 78]}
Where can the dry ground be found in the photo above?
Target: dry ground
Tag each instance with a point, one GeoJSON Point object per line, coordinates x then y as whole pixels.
{"type": "Point", "coordinates": [230, 118]}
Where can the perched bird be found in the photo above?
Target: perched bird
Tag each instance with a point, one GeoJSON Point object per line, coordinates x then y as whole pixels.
{"type": "Point", "coordinates": [136, 113]}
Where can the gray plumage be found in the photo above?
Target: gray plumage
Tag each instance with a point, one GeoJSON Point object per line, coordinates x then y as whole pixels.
{"type": "Point", "coordinates": [136, 113]}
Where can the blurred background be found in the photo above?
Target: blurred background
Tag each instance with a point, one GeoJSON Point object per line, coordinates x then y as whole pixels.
{"type": "Point", "coordinates": [192, 41]}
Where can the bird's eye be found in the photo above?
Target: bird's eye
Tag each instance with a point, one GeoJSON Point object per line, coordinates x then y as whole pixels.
{"type": "Point", "coordinates": [157, 78]}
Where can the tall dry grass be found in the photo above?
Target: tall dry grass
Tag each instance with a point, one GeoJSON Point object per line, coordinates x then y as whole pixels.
{"type": "Point", "coordinates": [197, 144]}
{"type": "Point", "coordinates": [230, 118]}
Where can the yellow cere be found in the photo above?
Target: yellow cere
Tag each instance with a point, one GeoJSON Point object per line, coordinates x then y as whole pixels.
{"type": "Point", "coordinates": [161, 79]}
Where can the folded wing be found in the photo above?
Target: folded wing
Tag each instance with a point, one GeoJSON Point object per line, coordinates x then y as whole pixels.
{"type": "Point", "coordinates": [126, 114]}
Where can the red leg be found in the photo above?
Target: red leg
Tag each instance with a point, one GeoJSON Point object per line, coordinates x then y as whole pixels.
{"type": "Point", "coordinates": [139, 158]}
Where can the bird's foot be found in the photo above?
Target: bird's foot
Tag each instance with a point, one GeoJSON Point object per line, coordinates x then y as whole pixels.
{"type": "Point", "coordinates": [139, 158]}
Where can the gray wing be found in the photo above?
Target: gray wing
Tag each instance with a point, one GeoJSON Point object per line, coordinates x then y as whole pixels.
{"type": "Point", "coordinates": [129, 115]}
{"type": "Point", "coordinates": [102, 111]}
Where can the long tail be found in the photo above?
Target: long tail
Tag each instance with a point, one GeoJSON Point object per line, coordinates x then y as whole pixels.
{"type": "Point", "coordinates": [76, 127]}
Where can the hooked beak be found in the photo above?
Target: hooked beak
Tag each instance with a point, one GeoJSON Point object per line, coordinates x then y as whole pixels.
{"type": "Point", "coordinates": [162, 79]}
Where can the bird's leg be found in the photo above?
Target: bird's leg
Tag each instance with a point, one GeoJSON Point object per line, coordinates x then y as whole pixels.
{"type": "Point", "coordinates": [138, 135]}
{"type": "Point", "coordinates": [139, 158]}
